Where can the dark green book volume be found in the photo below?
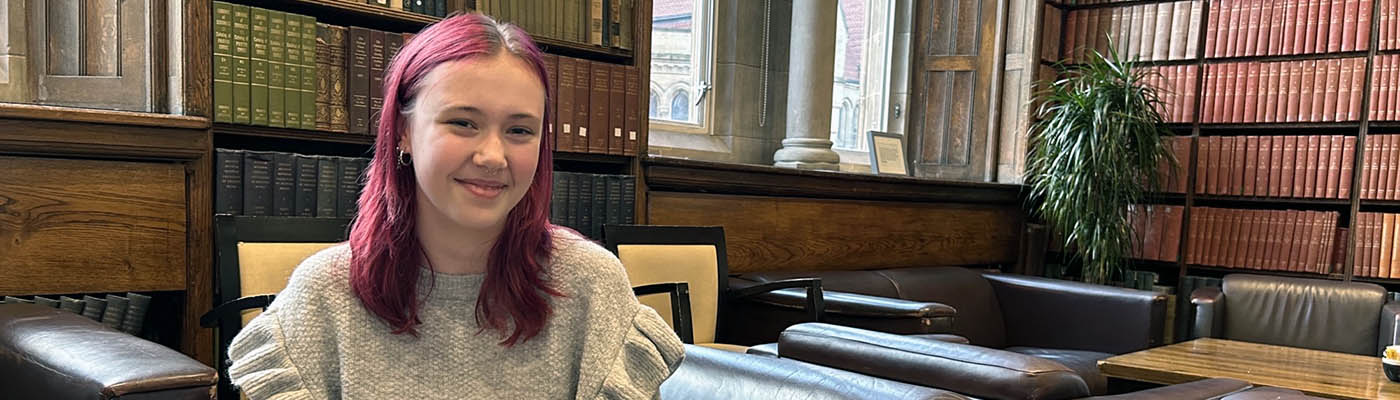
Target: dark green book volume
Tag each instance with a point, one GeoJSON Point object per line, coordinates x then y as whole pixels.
{"type": "Point", "coordinates": [276, 68]}
{"type": "Point", "coordinates": [304, 201]}
{"type": "Point", "coordinates": [291, 72]}
{"type": "Point", "coordinates": [70, 304]}
{"type": "Point", "coordinates": [242, 70]}
{"type": "Point", "coordinates": [308, 72]}
{"type": "Point", "coordinates": [258, 63]}
{"type": "Point", "coordinates": [136, 307]}
{"type": "Point", "coordinates": [228, 182]}
{"type": "Point", "coordinates": [284, 182]}
{"type": "Point", "coordinates": [114, 313]}
{"type": "Point", "coordinates": [348, 171]}
{"type": "Point", "coordinates": [223, 62]}
{"type": "Point", "coordinates": [326, 188]}
{"type": "Point", "coordinates": [94, 308]}
{"type": "Point", "coordinates": [257, 183]}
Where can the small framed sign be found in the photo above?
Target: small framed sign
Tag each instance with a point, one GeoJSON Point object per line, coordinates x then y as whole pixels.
{"type": "Point", "coordinates": [887, 154]}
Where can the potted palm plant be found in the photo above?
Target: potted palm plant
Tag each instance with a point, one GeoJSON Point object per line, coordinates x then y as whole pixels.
{"type": "Point", "coordinates": [1094, 150]}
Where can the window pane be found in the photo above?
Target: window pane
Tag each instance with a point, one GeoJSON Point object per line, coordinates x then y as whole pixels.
{"type": "Point", "coordinates": [846, 95]}
{"type": "Point", "coordinates": [675, 56]}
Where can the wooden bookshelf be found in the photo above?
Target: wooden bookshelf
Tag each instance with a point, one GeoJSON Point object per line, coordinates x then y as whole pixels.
{"type": "Point", "coordinates": [291, 133]}
{"type": "Point", "coordinates": [1347, 208]}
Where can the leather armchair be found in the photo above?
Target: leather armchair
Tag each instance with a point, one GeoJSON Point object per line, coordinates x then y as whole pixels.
{"type": "Point", "coordinates": [1072, 323]}
{"type": "Point", "coordinates": [46, 353]}
{"type": "Point", "coordinates": [708, 373]}
{"type": "Point", "coordinates": [1346, 317]}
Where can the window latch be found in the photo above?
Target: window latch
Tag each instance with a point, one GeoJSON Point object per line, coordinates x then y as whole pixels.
{"type": "Point", "coordinates": [704, 90]}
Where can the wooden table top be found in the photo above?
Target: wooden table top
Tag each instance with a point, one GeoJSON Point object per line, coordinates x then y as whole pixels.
{"type": "Point", "coordinates": [1319, 373]}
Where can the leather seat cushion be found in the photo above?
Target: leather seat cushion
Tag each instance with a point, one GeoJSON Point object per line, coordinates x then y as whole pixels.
{"type": "Point", "coordinates": [1085, 363]}
{"type": "Point", "coordinates": [1269, 393]}
{"type": "Point", "coordinates": [766, 349]}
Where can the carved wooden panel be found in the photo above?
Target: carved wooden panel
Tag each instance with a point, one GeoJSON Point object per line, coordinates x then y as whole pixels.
{"type": "Point", "coordinates": [779, 233]}
{"type": "Point", "coordinates": [83, 226]}
{"type": "Point", "coordinates": [953, 65]}
{"type": "Point", "coordinates": [95, 53]}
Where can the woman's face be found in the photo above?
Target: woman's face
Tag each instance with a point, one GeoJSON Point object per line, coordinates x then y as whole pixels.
{"type": "Point", "coordinates": [474, 138]}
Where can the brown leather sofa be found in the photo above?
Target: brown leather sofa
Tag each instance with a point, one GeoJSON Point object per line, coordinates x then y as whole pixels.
{"type": "Point", "coordinates": [1072, 323]}
{"type": "Point", "coordinates": [826, 361]}
{"type": "Point", "coordinates": [46, 353]}
{"type": "Point", "coordinates": [1345, 317]}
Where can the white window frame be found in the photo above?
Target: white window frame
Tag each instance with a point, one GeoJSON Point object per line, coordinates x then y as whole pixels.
{"type": "Point", "coordinates": [703, 63]}
{"type": "Point", "coordinates": [876, 117]}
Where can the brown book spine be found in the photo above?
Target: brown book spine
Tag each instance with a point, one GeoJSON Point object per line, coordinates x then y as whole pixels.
{"type": "Point", "coordinates": [551, 66]}
{"type": "Point", "coordinates": [1329, 100]}
{"type": "Point", "coordinates": [1202, 147]}
{"type": "Point", "coordinates": [565, 104]}
{"type": "Point", "coordinates": [1263, 157]}
{"type": "Point", "coordinates": [1295, 237]}
{"type": "Point", "coordinates": [1343, 89]}
{"type": "Point", "coordinates": [1276, 165]}
{"type": "Point", "coordinates": [1251, 93]}
{"type": "Point", "coordinates": [1226, 223]}
{"type": "Point", "coordinates": [1228, 114]}
{"type": "Point", "coordinates": [1094, 31]}
{"type": "Point", "coordinates": [1234, 229]}
{"type": "Point", "coordinates": [376, 78]}
{"type": "Point", "coordinates": [1251, 28]}
{"type": "Point", "coordinates": [1286, 164]}
{"type": "Point", "coordinates": [617, 109]}
{"type": "Point", "coordinates": [1324, 154]}
{"type": "Point", "coordinates": [1324, 19]}
{"type": "Point", "coordinates": [1377, 96]}
{"type": "Point", "coordinates": [1310, 27]}
{"type": "Point", "coordinates": [1071, 24]}
{"type": "Point", "coordinates": [1387, 245]}
{"type": "Point", "coordinates": [1319, 96]}
{"type": "Point", "coordinates": [1359, 249]}
{"type": "Point", "coordinates": [1383, 181]}
{"type": "Point", "coordinates": [1215, 170]}
{"type": "Point", "coordinates": [1334, 167]}
{"type": "Point", "coordinates": [1207, 241]}
{"type": "Point", "coordinates": [1368, 168]}
{"type": "Point", "coordinates": [1215, 100]}
{"type": "Point", "coordinates": [1392, 160]}
{"type": "Point", "coordinates": [340, 96]}
{"type": "Point", "coordinates": [1268, 100]}
{"type": "Point", "coordinates": [1294, 86]}
{"type": "Point", "coordinates": [358, 77]}
{"type": "Point", "coordinates": [583, 85]}
{"type": "Point", "coordinates": [1152, 232]}
{"type": "Point", "coordinates": [1348, 158]}
{"type": "Point", "coordinates": [634, 113]}
{"type": "Point", "coordinates": [1212, 28]}
{"type": "Point", "coordinates": [1287, 25]}
{"type": "Point", "coordinates": [1363, 25]}
{"type": "Point", "coordinates": [598, 100]}
{"type": "Point", "coordinates": [1336, 19]}
{"type": "Point", "coordinates": [1349, 25]}
{"type": "Point", "coordinates": [1171, 245]}
{"type": "Point", "coordinates": [1305, 108]}
{"type": "Point", "coordinates": [1251, 164]}
{"type": "Point", "coordinates": [1310, 174]}
{"type": "Point", "coordinates": [1239, 162]}
{"type": "Point", "coordinates": [1358, 77]}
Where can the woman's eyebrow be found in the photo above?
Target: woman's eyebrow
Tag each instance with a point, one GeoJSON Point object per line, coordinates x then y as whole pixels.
{"type": "Point", "coordinates": [474, 110]}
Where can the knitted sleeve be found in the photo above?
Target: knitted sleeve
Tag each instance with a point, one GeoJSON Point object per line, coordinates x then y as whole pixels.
{"type": "Point", "coordinates": [650, 353]}
{"type": "Point", "coordinates": [260, 366]}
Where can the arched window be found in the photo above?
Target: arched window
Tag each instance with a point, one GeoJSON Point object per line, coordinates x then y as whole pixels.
{"type": "Point", "coordinates": [651, 106]}
{"type": "Point", "coordinates": [844, 135]}
{"type": "Point", "coordinates": [680, 107]}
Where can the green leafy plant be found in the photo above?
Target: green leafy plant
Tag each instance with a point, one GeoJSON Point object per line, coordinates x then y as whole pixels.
{"type": "Point", "coordinates": [1093, 151]}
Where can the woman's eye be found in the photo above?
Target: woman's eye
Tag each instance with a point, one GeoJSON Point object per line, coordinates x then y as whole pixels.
{"type": "Point", "coordinates": [463, 123]}
{"type": "Point", "coordinates": [521, 131]}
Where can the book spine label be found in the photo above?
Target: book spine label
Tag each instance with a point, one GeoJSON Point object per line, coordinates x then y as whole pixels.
{"type": "Point", "coordinates": [242, 68]}
{"type": "Point", "coordinates": [258, 63]}
{"type": "Point", "coordinates": [223, 62]}
{"type": "Point", "coordinates": [327, 186]}
{"type": "Point", "coordinates": [291, 71]}
{"type": "Point", "coordinates": [257, 183]}
{"type": "Point", "coordinates": [228, 176]}
{"type": "Point", "coordinates": [634, 114]}
{"type": "Point", "coordinates": [359, 80]}
{"type": "Point", "coordinates": [276, 68]}
{"type": "Point", "coordinates": [284, 181]}
{"type": "Point", "coordinates": [304, 199]}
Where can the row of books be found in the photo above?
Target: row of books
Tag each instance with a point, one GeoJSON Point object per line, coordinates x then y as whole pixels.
{"type": "Point", "coordinates": [1389, 25]}
{"type": "Point", "coordinates": [1158, 231]}
{"type": "Point", "coordinates": [1176, 88]}
{"type": "Point", "coordinates": [606, 23]}
{"type": "Point", "coordinates": [1272, 240]}
{"type": "Point", "coordinates": [1276, 166]}
{"type": "Point", "coordinates": [269, 183]}
{"type": "Point", "coordinates": [1377, 245]}
{"type": "Point", "coordinates": [1385, 97]}
{"type": "Point", "coordinates": [585, 202]}
{"type": "Point", "coordinates": [1147, 32]}
{"type": "Point", "coordinates": [1380, 168]}
{"type": "Point", "coordinates": [436, 8]}
{"type": "Point", "coordinates": [1288, 91]}
{"type": "Point", "coordinates": [1240, 28]}
{"type": "Point", "coordinates": [605, 99]}
{"type": "Point", "coordinates": [126, 313]}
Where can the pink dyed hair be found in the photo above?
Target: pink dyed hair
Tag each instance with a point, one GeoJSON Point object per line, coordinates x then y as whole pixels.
{"type": "Point", "coordinates": [385, 252]}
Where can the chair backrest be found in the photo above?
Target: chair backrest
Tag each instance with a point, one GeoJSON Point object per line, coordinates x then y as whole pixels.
{"type": "Point", "coordinates": [1309, 313]}
{"type": "Point", "coordinates": [256, 255]}
{"type": "Point", "coordinates": [691, 254]}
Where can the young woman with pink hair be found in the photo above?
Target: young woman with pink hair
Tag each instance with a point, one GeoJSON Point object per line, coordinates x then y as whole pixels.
{"type": "Point", "coordinates": [454, 283]}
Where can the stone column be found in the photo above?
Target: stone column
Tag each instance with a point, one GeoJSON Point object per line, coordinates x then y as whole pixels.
{"type": "Point", "coordinates": [810, 72]}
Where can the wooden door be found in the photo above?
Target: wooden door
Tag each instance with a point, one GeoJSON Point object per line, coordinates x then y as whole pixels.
{"type": "Point", "coordinates": [952, 77]}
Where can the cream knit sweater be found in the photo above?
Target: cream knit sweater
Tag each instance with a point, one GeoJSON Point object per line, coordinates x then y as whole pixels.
{"type": "Point", "coordinates": [317, 342]}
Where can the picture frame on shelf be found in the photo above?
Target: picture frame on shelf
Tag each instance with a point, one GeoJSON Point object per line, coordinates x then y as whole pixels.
{"type": "Point", "coordinates": [887, 154]}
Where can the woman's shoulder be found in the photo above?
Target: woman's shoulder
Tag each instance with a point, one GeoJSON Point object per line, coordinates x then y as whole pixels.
{"type": "Point", "coordinates": [323, 273]}
{"type": "Point", "coordinates": [579, 260]}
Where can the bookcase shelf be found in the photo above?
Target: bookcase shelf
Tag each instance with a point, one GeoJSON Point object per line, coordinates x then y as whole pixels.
{"type": "Point", "coordinates": [1287, 57]}
{"type": "Point", "coordinates": [291, 133]}
{"type": "Point", "coordinates": [1213, 271]}
{"type": "Point", "coordinates": [347, 12]}
{"type": "Point", "coordinates": [1300, 128]}
{"type": "Point", "coordinates": [1270, 202]}
{"type": "Point", "coordinates": [585, 51]}
{"type": "Point", "coordinates": [1070, 7]}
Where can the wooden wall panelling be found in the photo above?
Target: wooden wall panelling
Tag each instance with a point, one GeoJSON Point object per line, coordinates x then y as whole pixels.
{"type": "Point", "coordinates": [641, 58]}
{"type": "Point", "coordinates": [782, 233]}
{"type": "Point", "coordinates": [198, 58]}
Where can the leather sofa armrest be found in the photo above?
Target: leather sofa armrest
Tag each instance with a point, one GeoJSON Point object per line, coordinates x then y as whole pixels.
{"type": "Point", "coordinates": [1390, 318]}
{"type": "Point", "coordinates": [859, 305]}
{"type": "Point", "coordinates": [973, 370]}
{"type": "Point", "coordinates": [1053, 313]}
{"type": "Point", "coordinates": [764, 316]}
{"type": "Point", "coordinates": [813, 302]}
{"type": "Point", "coordinates": [707, 373]}
{"type": "Point", "coordinates": [1209, 306]}
{"type": "Point", "coordinates": [46, 353]}
{"type": "Point", "coordinates": [1201, 389]}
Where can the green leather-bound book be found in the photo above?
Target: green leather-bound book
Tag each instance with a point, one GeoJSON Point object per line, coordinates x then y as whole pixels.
{"type": "Point", "coordinates": [308, 72]}
{"type": "Point", "coordinates": [258, 63]}
{"type": "Point", "coordinates": [242, 70]}
{"type": "Point", "coordinates": [223, 62]}
{"type": "Point", "coordinates": [291, 73]}
{"type": "Point", "coordinates": [276, 64]}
